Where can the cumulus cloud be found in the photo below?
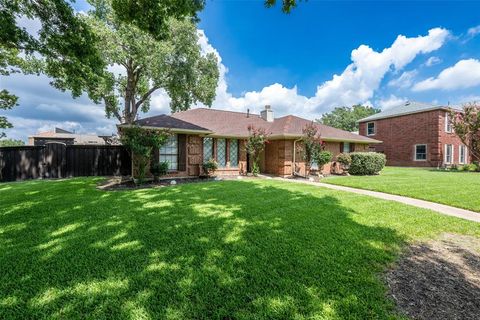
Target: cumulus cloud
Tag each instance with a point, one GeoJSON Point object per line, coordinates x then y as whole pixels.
{"type": "Point", "coordinates": [433, 61]}
{"type": "Point", "coordinates": [464, 74]}
{"type": "Point", "coordinates": [391, 101]}
{"type": "Point", "coordinates": [404, 81]}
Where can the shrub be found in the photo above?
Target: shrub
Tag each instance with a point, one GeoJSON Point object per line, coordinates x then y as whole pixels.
{"type": "Point", "coordinates": [256, 141]}
{"type": "Point", "coordinates": [322, 158]}
{"type": "Point", "coordinates": [159, 169]}
{"type": "Point", "coordinates": [366, 163]}
{"type": "Point", "coordinates": [210, 167]}
{"type": "Point", "coordinates": [344, 159]}
{"type": "Point", "coordinates": [470, 167]}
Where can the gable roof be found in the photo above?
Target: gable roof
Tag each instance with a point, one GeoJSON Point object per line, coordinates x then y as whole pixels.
{"type": "Point", "coordinates": [408, 107]}
{"type": "Point", "coordinates": [230, 124]}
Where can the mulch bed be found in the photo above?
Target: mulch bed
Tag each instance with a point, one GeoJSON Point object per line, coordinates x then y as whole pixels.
{"type": "Point", "coordinates": [118, 183]}
{"type": "Point", "coordinates": [439, 279]}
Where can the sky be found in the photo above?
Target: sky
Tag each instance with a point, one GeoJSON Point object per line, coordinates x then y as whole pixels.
{"type": "Point", "coordinates": [322, 55]}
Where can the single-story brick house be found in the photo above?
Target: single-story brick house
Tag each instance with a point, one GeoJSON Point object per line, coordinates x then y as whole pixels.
{"type": "Point", "coordinates": [415, 134]}
{"type": "Point", "coordinates": [201, 134]}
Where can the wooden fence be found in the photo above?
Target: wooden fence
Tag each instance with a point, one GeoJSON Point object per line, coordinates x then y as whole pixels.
{"type": "Point", "coordinates": [57, 160]}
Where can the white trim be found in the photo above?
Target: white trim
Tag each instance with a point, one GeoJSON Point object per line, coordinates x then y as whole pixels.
{"type": "Point", "coordinates": [374, 128]}
{"type": "Point", "coordinates": [447, 116]}
{"type": "Point", "coordinates": [465, 161]}
{"type": "Point", "coordinates": [380, 117]}
{"type": "Point", "coordinates": [451, 154]}
{"type": "Point", "coordinates": [415, 152]}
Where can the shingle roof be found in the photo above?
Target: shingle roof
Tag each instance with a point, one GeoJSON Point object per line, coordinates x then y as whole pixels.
{"type": "Point", "coordinates": [165, 121]}
{"type": "Point", "coordinates": [235, 124]}
{"type": "Point", "coordinates": [405, 108]}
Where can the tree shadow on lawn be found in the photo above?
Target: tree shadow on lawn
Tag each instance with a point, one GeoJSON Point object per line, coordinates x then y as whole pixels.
{"type": "Point", "coordinates": [225, 250]}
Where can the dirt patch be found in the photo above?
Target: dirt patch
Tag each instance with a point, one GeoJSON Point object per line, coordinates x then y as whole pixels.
{"type": "Point", "coordinates": [118, 183]}
{"type": "Point", "coordinates": [438, 279]}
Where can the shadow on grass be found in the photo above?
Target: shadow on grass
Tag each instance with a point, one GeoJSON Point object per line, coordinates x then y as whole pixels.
{"type": "Point", "coordinates": [225, 250]}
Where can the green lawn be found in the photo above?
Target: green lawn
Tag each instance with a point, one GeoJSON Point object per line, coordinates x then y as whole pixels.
{"type": "Point", "coordinates": [259, 249]}
{"type": "Point", "coordinates": [458, 189]}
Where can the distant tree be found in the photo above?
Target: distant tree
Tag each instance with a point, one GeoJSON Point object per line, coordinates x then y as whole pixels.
{"type": "Point", "coordinates": [346, 118]}
{"type": "Point", "coordinates": [11, 143]}
{"type": "Point", "coordinates": [466, 126]}
{"type": "Point", "coordinates": [174, 64]}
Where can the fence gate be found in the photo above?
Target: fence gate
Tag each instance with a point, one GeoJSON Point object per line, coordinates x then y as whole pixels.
{"type": "Point", "coordinates": [55, 155]}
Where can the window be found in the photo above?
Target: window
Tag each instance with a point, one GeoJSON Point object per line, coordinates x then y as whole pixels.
{"type": "Point", "coordinates": [448, 153]}
{"type": "Point", "coordinates": [346, 147]}
{"type": "Point", "coordinates": [420, 152]}
{"type": "Point", "coordinates": [222, 153]}
{"type": "Point", "coordinates": [370, 128]}
{"type": "Point", "coordinates": [207, 149]}
{"type": "Point", "coordinates": [233, 153]}
{"type": "Point", "coordinates": [462, 154]}
{"type": "Point", "coordinates": [448, 125]}
{"type": "Point", "coordinates": [169, 153]}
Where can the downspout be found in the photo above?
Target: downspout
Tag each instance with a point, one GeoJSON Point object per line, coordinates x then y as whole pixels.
{"type": "Point", "coordinates": [294, 154]}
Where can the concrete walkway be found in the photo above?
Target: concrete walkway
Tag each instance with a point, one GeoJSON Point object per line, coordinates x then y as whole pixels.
{"type": "Point", "coordinates": [440, 208]}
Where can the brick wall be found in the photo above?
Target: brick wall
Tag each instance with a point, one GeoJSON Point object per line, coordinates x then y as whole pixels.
{"type": "Point", "coordinates": [400, 135]}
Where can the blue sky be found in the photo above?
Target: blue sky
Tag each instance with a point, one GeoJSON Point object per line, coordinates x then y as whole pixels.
{"type": "Point", "coordinates": [323, 54]}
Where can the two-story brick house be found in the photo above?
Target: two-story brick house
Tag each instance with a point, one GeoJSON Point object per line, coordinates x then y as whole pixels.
{"type": "Point", "coordinates": [415, 134]}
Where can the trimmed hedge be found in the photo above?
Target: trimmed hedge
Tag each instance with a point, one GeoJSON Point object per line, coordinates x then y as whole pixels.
{"type": "Point", "coordinates": [366, 163]}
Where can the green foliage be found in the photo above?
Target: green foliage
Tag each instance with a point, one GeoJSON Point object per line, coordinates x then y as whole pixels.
{"type": "Point", "coordinates": [466, 125]}
{"type": "Point", "coordinates": [366, 163]}
{"type": "Point", "coordinates": [210, 167]}
{"type": "Point", "coordinates": [256, 141]}
{"type": "Point", "coordinates": [159, 169]}
{"type": "Point", "coordinates": [141, 142]}
{"type": "Point", "coordinates": [322, 158]}
{"type": "Point", "coordinates": [312, 144]}
{"type": "Point", "coordinates": [174, 63]}
{"type": "Point", "coordinates": [344, 159]}
{"type": "Point", "coordinates": [11, 143]}
{"type": "Point", "coordinates": [241, 249]}
{"type": "Point", "coordinates": [287, 5]}
{"type": "Point", "coordinates": [472, 167]}
{"type": "Point", "coordinates": [346, 118]}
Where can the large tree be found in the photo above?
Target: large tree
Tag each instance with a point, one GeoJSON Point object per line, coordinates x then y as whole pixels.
{"type": "Point", "coordinates": [346, 118]}
{"type": "Point", "coordinates": [173, 63]}
{"type": "Point", "coordinates": [63, 48]}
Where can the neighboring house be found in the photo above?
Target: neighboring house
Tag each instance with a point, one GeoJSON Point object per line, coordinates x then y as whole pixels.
{"type": "Point", "coordinates": [66, 137]}
{"type": "Point", "coordinates": [201, 134]}
{"type": "Point", "coordinates": [415, 134]}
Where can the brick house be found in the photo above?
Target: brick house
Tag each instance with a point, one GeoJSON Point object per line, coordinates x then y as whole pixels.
{"type": "Point", "coordinates": [201, 134]}
{"type": "Point", "coordinates": [415, 134]}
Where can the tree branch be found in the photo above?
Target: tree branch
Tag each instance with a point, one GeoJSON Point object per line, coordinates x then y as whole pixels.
{"type": "Point", "coordinates": [145, 96]}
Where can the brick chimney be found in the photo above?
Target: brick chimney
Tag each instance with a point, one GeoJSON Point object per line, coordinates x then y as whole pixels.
{"type": "Point", "coordinates": [267, 114]}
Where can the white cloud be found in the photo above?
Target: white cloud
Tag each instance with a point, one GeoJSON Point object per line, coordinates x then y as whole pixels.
{"type": "Point", "coordinates": [392, 101]}
{"type": "Point", "coordinates": [405, 80]}
{"type": "Point", "coordinates": [464, 74]}
{"type": "Point", "coordinates": [433, 61]}
{"type": "Point", "coordinates": [473, 31]}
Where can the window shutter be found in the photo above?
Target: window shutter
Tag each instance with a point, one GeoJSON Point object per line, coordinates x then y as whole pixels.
{"type": "Point", "coordinates": [341, 147]}
{"type": "Point", "coordinates": [352, 147]}
{"type": "Point", "coordinates": [182, 152]}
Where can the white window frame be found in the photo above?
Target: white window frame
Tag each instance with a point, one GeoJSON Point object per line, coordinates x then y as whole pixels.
{"type": "Point", "coordinates": [451, 154]}
{"type": "Point", "coordinates": [374, 129]}
{"type": "Point", "coordinates": [448, 127]}
{"type": "Point", "coordinates": [172, 143]}
{"type": "Point", "coordinates": [415, 152]}
{"type": "Point", "coordinates": [465, 151]}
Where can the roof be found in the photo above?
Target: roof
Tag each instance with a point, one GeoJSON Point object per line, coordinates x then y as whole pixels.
{"type": "Point", "coordinates": [169, 122]}
{"type": "Point", "coordinates": [60, 134]}
{"type": "Point", "coordinates": [405, 108]}
{"type": "Point", "coordinates": [221, 123]}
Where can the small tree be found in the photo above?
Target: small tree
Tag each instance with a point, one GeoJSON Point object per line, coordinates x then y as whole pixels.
{"type": "Point", "coordinates": [256, 141]}
{"type": "Point", "coordinates": [11, 143]}
{"type": "Point", "coordinates": [322, 158]}
{"type": "Point", "coordinates": [466, 126]}
{"type": "Point", "coordinates": [312, 145]}
{"type": "Point", "coordinates": [141, 143]}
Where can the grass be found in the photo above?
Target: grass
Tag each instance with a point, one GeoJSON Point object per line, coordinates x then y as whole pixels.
{"type": "Point", "coordinates": [258, 249]}
{"type": "Point", "coordinates": [454, 188]}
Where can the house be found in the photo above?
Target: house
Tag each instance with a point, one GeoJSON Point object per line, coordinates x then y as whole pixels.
{"type": "Point", "coordinates": [415, 134]}
{"type": "Point", "coordinates": [63, 136]}
{"type": "Point", "coordinates": [201, 134]}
